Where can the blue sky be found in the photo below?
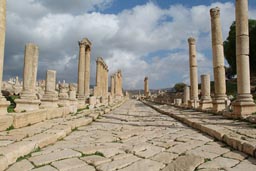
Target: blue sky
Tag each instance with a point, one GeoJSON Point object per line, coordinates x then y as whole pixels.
{"type": "Point", "coordinates": [142, 38]}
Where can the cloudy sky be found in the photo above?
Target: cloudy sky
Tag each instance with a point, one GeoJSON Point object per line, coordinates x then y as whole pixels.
{"type": "Point", "coordinates": [140, 37]}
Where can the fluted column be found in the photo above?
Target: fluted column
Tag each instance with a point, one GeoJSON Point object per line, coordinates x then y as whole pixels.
{"type": "Point", "coordinates": [3, 103]}
{"type": "Point", "coordinates": [205, 101]}
{"type": "Point", "coordinates": [193, 73]}
{"type": "Point", "coordinates": [218, 61]}
{"type": "Point", "coordinates": [87, 71]}
{"type": "Point", "coordinates": [81, 71]}
{"type": "Point", "coordinates": [112, 85]}
{"type": "Point", "coordinates": [244, 104]}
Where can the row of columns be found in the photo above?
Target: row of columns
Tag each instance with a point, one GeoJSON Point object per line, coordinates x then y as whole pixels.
{"type": "Point", "coordinates": [244, 104]}
{"type": "Point", "coordinates": [117, 84]}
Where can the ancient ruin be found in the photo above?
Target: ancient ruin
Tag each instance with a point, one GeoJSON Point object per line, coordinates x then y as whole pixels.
{"type": "Point", "coordinates": [146, 87]}
{"type": "Point", "coordinates": [205, 100]}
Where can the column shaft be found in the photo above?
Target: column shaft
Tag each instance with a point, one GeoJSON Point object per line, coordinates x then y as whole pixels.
{"type": "Point", "coordinates": [81, 70]}
{"type": "Point", "coordinates": [2, 38]}
{"type": "Point", "coordinates": [87, 71]}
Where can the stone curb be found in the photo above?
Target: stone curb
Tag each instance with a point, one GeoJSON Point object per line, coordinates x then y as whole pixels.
{"type": "Point", "coordinates": [233, 141]}
{"type": "Point", "coordinates": [12, 152]}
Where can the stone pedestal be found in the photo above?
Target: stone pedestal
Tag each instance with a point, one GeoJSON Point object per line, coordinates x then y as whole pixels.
{"type": "Point", "coordinates": [218, 62]}
{"type": "Point", "coordinates": [3, 103]}
{"type": "Point", "coordinates": [205, 101]}
{"type": "Point", "coordinates": [50, 98]}
{"type": "Point", "coordinates": [28, 100]}
{"type": "Point", "coordinates": [110, 100]}
{"type": "Point", "coordinates": [244, 104]}
{"type": "Point", "coordinates": [63, 95]}
{"type": "Point", "coordinates": [92, 102]}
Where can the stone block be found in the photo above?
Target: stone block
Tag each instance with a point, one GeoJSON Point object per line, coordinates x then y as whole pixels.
{"type": "Point", "coordinates": [26, 105]}
{"type": "Point", "coordinates": [5, 122]}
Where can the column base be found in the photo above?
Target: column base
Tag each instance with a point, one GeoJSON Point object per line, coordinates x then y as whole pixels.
{"type": "Point", "coordinates": [243, 109]}
{"type": "Point", "coordinates": [81, 101]}
{"type": "Point", "coordinates": [49, 103]}
{"type": "Point", "coordinates": [205, 104]}
{"type": "Point", "coordinates": [63, 102]}
{"type": "Point", "coordinates": [193, 104]}
{"type": "Point", "coordinates": [219, 105]}
{"type": "Point", "coordinates": [24, 105]}
{"type": "Point", "coordinates": [3, 106]}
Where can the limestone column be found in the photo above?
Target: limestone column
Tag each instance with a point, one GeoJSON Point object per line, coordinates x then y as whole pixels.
{"type": "Point", "coordinates": [146, 89]}
{"type": "Point", "coordinates": [193, 73]}
{"type": "Point", "coordinates": [205, 101]}
{"type": "Point", "coordinates": [81, 72]}
{"type": "Point", "coordinates": [116, 82]}
{"type": "Point", "coordinates": [98, 70]}
{"type": "Point", "coordinates": [87, 71]}
{"type": "Point", "coordinates": [186, 96]}
{"type": "Point", "coordinates": [244, 104]}
{"type": "Point", "coordinates": [28, 100]}
{"type": "Point", "coordinates": [218, 61]}
{"type": "Point", "coordinates": [107, 82]}
{"type": "Point", "coordinates": [121, 83]}
{"type": "Point", "coordinates": [3, 103]}
{"type": "Point", "coordinates": [50, 96]}
{"type": "Point", "coordinates": [112, 85]}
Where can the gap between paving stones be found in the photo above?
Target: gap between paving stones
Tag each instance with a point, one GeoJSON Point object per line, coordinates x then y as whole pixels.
{"type": "Point", "coordinates": [23, 145]}
{"type": "Point", "coordinates": [228, 136]}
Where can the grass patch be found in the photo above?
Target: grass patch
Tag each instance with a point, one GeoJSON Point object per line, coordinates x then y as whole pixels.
{"type": "Point", "coordinates": [79, 110]}
{"type": "Point", "coordinates": [12, 105]}
{"type": "Point", "coordinates": [117, 141]}
{"type": "Point", "coordinates": [254, 113]}
{"type": "Point", "coordinates": [207, 160]}
{"type": "Point", "coordinates": [59, 105]}
{"type": "Point", "coordinates": [74, 129]}
{"type": "Point", "coordinates": [23, 111]}
{"type": "Point", "coordinates": [28, 155]}
{"type": "Point", "coordinates": [10, 128]}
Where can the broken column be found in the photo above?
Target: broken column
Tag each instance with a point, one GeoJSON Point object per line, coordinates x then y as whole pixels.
{"type": "Point", "coordinates": [3, 103]}
{"type": "Point", "coordinates": [244, 104]}
{"type": "Point", "coordinates": [193, 102]}
{"type": "Point", "coordinates": [218, 62]}
{"type": "Point", "coordinates": [146, 89]}
{"type": "Point", "coordinates": [50, 97]}
{"type": "Point", "coordinates": [205, 101]}
{"type": "Point", "coordinates": [186, 96]}
{"type": "Point", "coordinates": [28, 100]}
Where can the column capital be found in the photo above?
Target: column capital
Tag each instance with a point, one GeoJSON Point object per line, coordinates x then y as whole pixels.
{"type": "Point", "coordinates": [191, 40]}
{"type": "Point", "coordinates": [81, 44]}
{"type": "Point", "coordinates": [215, 12]}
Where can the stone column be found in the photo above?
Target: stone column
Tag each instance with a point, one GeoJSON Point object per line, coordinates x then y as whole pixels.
{"type": "Point", "coordinates": [116, 82]}
{"type": "Point", "coordinates": [98, 70]}
{"type": "Point", "coordinates": [244, 104]}
{"type": "Point", "coordinates": [50, 97]}
{"type": "Point", "coordinates": [121, 83]}
{"type": "Point", "coordinates": [87, 71]}
{"type": "Point", "coordinates": [146, 89]}
{"type": "Point", "coordinates": [193, 73]}
{"type": "Point", "coordinates": [186, 96]}
{"type": "Point", "coordinates": [218, 61]}
{"type": "Point", "coordinates": [28, 100]}
{"type": "Point", "coordinates": [205, 101]}
{"type": "Point", "coordinates": [107, 82]}
{"type": "Point", "coordinates": [81, 74]}
{"type": "Point", "coordinates": [112, 85]}
{"type": "Point", "coordinates": [3, 103]}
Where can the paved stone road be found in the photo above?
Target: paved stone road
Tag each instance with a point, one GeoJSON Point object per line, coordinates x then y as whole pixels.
{"type": "Point", "coordinates": [136, 138]}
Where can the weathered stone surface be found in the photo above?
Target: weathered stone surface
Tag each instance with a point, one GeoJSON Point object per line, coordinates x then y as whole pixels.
{"type": "Point", "coordinates": [5, 122]}
{"type": "Point", "coordinates": [23, 165]}
{"type": "Point", "coordinates": [220, 162]}
{"type": "Point", "coordinates": [235, 155]}
{"type": "Point", "coordinates": [95, 160]}
{"type": "Point", "coordinates": [44, 168]}
{"type": "Point", "coordinates": [146, 164]}
{"type": "Point", "coordinates": [164, 157]}
{"type": "Point", "coordinates": [185, 163]}
{"type": "Point", "coordinates": [48, 158]}
{"type": "Point", "coordinates": [68, 164]}
{"type": "Point", "coordinates": [3, 163]}
{"type": "Point", "coordinates": [150, 151]}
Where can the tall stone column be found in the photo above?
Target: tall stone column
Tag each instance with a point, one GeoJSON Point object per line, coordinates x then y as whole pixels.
{"type": "Point", "coordinates": [244, 104]}
{"type": "Point", "coordinates": [87, 71]}
{"type": "Point", "coordinates": [218, 61]}
{"type": "Point", "coordinates": [121, 83]}
{"type": "Point", "coordinates": [186, 96]}
{"type": "Point", "coordinates": [107, 82]}
{"type": "Point", "coordinates": [81, 73]}
{"type": "Point", "coordinates": [3, 103]}
{"type": "Point", "coordinates": [146, 89]}
{"type": "Point", "coordinates": [116, 84]}
{"type": "Point", "coordinates": [50, 97]}
{"type": "Point", "coordinates": [98, 70]}
{"type": "Point", "coordinates": [193, 73]}
{"type": "Point", "coordinates": [205, 101]}
{"type": "Point", "coordinates": [112, 85]}
{"type": "Point", "coordinates": [28, 100]}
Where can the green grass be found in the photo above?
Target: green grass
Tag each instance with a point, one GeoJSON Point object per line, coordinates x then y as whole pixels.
{"type": "Point", "coordinates": [12, 105]}
{"type": "Point", "coordinates": [207, 160]}
{"type": "Point", "coordinates": [10, 128]}
{"type": "Point", "coordinates": [97, 153]}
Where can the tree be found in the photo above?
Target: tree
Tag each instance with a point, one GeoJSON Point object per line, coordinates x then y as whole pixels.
{"type": "Point", "coordinates": [230, 47]}
{"type": "Point", "coordinates": [179, 87]}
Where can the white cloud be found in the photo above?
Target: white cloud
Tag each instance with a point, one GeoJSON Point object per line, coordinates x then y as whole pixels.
{"type": "Point", "coordinates": [126, 40]}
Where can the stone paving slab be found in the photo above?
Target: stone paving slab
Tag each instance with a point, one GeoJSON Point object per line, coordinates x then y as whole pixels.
{"type": "Point", "coordinates": [103, 146]}
{"type": "Point", "coordinates": [238, 134]}
{"type": "Point", "coordinates": [21, 142]}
